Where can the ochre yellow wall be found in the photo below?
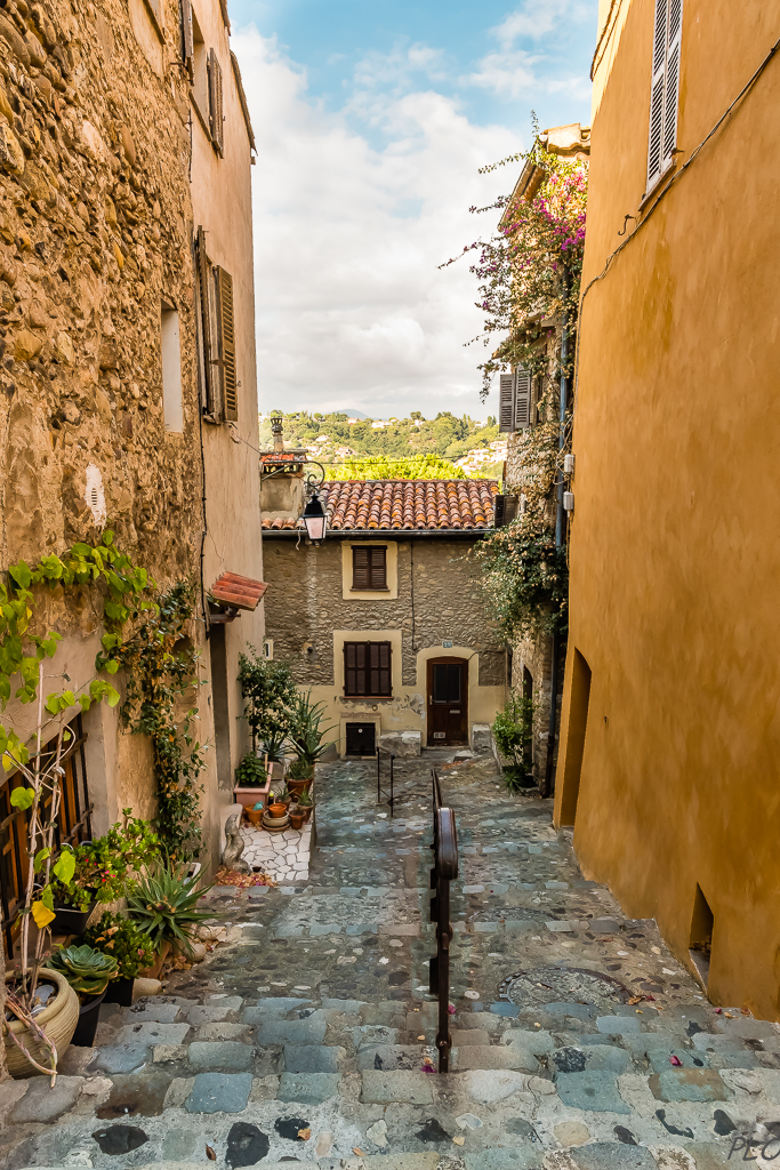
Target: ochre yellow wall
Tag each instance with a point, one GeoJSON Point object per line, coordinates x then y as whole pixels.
{"type": "Point", "coordinates": [674, 544]}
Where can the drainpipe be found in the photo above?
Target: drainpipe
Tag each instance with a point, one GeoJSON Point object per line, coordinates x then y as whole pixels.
{"type": "Point", "coordinates": [560, 540]}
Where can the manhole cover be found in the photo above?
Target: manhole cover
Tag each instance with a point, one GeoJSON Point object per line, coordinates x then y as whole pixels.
{"type": "Point", "coordinates": [561, 985]}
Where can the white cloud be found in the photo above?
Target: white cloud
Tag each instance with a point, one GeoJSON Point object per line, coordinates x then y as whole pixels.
{"type": "Point", "coordinates": [351, 307]}
{"type": "Point", "coordinates": [536, 19]}
{"type": "Point", "coordinates": [509, 73]}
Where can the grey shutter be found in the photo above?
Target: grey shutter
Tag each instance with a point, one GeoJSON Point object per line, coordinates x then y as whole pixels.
{"type": "Point", "coordinates": [522, 399]}
{"type": "Point", "coordinates": [506, 403]}
{"type": "Point", "coordinates": [203, 306]}
{"type": "Point", "coordinates": [187, 38]}
{"type": "Point", "coordinates": [664, 91]}
{"type": "Point", "coordinates": [227, 344]}
{"type": "Point", "coordinates": [674, 38]}
{"type": "Point", "coordinates": [655, 145]}
{"type": "Point", "coordinates": [216, 122]}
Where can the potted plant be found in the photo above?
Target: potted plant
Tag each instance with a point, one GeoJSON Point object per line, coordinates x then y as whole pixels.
{"type": "Point", "coordinates": [122, 939]}
{"type": "Point", "coordinates": [307, 736]}
{"type": "Point", "coordinates": [513, 732]}
{"type": "Point", "coordinates": [269, 697]}
{"type": "Point", "coordinates": [281, 795]}
{"type": "Point", "coordinates": [297, 816]}
{"type": "Point", "coordinates": [163, 904]}
{"type": "Point", "coordinates": [273, 751]}
{"type": "Point", "coordinates": [89, 973]}
{"type": "Point", "coordinates": [251, 781]}
{"type": "Point", "coordinates": [102, 869]}
{"type": "Point", "coordinates": [306, 804]}
{"type": "Point", "coordinates": [255, 814]}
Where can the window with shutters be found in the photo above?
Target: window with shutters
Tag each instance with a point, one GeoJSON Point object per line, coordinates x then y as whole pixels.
{"type": "Point", "coordinates": [514, 410]}
{"type": "Point", "coordinates": [186, 38]}
{"type": "Point", "coordinates": [200, 69]}
{"type": "Point", "coordinates": [369, 567]}
{"type": "Point", "coordinates": [664, 90]}
{"type": "Point", "coordinates": [73, 823]}
{"type": "Point", "coordinates": [216, 337]}
{"type": "Point", "coordinates": [216, 116]}
{"type": "Point", "coordinates": [367, 670]}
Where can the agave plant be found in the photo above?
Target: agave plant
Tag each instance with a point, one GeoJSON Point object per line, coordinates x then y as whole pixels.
{"type": "Point", "coordinates": [163, 904]}
{"type": "Point", "coordinates": [88, 971]}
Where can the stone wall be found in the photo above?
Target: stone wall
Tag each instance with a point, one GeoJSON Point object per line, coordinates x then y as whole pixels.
{"type": "Point", "coordinates": [95, 231]}
{"type": "Point", "coordinates": [305, 605]}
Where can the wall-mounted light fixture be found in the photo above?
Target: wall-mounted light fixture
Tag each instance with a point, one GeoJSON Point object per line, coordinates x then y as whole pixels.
{"type": "Point", "coordinates": [315, 519]}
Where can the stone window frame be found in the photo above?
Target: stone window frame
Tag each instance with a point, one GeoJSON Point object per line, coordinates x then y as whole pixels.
{"type": "Point", "coordinates": [348, 590]}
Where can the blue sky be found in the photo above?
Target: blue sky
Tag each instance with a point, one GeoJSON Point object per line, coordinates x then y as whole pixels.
{"type": "Point", "coordinates": [372, 121]}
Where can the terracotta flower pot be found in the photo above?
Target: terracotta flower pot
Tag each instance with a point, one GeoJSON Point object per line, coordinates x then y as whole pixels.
{"type": "Point", "coordinates": [296, 820]}
{"type": "Point", "coordinates": [297, 787]}
{"type": "Point", "coordinates": [153, 972]}
{"type": "Point", "coordinates": [255, 815]}
{"type": "Point", "coordinates": [58, 1020]}
{"type": "Point", "coordinates": [277, 809]}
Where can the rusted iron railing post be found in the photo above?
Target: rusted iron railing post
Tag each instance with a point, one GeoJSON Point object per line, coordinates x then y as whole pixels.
{"type": "Point", "coordinates": [390, 794]}
{"type": "Point", "coordinates": [445, 869]}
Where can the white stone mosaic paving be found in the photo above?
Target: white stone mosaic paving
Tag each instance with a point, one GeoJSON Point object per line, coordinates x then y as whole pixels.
{"type": "Point", "coordinates": [283, 856]}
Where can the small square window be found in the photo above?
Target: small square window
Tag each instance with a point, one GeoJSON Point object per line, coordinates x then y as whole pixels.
{"type": "Point", "coordinates": [369, 567]}
{"type": "Point", "coordinates": [367, 671]}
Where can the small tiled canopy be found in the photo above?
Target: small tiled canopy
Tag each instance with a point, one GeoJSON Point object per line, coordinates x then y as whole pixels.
{"type": "Point", "coordinates": [238, 592]}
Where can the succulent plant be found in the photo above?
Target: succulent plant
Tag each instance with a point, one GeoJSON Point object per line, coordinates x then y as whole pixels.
{"type": "Point", "coordinates": [87, 970]}
{"type": "Point", "coordinates": [163, 904]}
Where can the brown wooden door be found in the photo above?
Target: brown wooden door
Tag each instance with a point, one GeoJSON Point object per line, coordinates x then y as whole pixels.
{"type": "Point", "coordinates": [447, 701]}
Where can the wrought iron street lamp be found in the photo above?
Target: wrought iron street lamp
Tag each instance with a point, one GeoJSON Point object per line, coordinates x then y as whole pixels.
{"type": "Point", "coordinates": [315, 519]}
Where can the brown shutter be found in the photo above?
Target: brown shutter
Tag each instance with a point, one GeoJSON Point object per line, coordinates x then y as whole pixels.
{"type": "Point", "coordinates": [522, 399]}
{"type": "Point", "coordinates": [187, 38]}
{"type": "Point", "coordinates": [216, 123]}
{"type": "Point", "coordinates": [385, 684]}
{"type": "Point", "coordinates": [378, 571]}
{"type": "Point", "coordinates": [361, 568]}
{"type": "Point", "coordinates": [506, 416]}
{"type": "Point", "coordinates": [206, 375]}
{"type": "Point", "coordinates": [227, 344]}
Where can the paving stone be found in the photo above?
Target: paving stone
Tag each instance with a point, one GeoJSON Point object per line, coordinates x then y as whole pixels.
{"type": "Point", "coordinates": [612, 1156]}
{"type": "Point", "coordinates": [158, 1011]}
{"type": "Point", "coordinates": [246, 1145]}
{"type": "Point", "coordinates": [384, 1087]}
{"type": "Point", "coordinates": [41, 1102]}
{"type": "Point", "coordinates": [306, 1058]}
{"type": "Point", "coordinates": [309, 1088]}
{"type": "Point", "coordinates": [219, 1093]}
{"type": "Point", "coordinates": [122, 1058]}
{"type": "Point", "coordinates": [618, 1025]}
{"type": "Point", "coordinates": [592, 1090]}
{"type": "Point", "coordinates": [478, 1056]}
{"type": "Point", "coordinates": [488, 1086]}
{"type": "Point", "coordinates": [214, 1010]}
{"type": "Point", "coordinates": [308, 1031]}
{"type": "Point", "coordinates": [688, 1084]}
{"type": "Point", "coordinates": [593, 1057]}
{"type": "Point", "coordinates": [469, 1036]}
{"type": "Point", "coordinates": [524, 1157]}
{"type": "Point", "coordinates": [152, 1033]}
{"type": "Point", "coordinates": [540, 1043]}
{"type": "Point", "coordinates": [213, 1055]}
{"type": "Point", "coordinates": [120, 1139]}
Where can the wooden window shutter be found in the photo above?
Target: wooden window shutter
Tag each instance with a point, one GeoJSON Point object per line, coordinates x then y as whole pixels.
{"type": "Point", "coordinates": [361, 568]}
{"type": "Point", "coordinates": [227, 342]}
{"type": "Point", "coordinates": [187, 38]}
{"type": "Point", "coordinates": [506, 403]}
{"type": "Point", "coordinates": [216, 122]}
{"type": "Point", "coordinates": [206, 373]}
{"type": "Point", "coordinates": [378, 571]}
{"type": "Point", "coordinates": [522, 399]}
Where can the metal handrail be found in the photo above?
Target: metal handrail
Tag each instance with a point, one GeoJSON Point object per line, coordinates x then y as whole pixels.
{"type": "Point", "coordinates": [445, 869]}
{"type": "Point", "coordinates": [380, 792]}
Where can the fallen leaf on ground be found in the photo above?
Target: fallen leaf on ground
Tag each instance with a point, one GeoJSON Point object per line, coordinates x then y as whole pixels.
{"type": "Point", "coordinates": [304, 1134]}
{"type": "Point", "coordinates": [211, 1153]}
{"type": "Point", "coordinates": [241, 881]}
{"type": "Point", "coordinates": [675, 1060]}
{"type": "Point", "coordinates": [357, 1150]}
{"type": "Point", "coordinates": [459, 1140]}
{"type": "Point", "coordinates": [422, 1037]}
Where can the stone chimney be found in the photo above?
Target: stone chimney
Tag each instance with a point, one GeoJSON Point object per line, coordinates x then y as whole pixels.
{"type": "Point", "coordinates": [277, 430]}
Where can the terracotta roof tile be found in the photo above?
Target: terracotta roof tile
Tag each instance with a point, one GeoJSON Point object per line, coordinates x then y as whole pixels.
{"type": "Point", "coordinates": [241, 592]}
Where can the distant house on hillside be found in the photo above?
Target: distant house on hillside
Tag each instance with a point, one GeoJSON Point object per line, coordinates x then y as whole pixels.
{"type": "Point", "coordinates": [384, 620]}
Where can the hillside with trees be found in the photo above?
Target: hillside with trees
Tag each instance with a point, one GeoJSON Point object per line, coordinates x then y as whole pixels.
{"type": "Point", "coordinates": [338, 439]}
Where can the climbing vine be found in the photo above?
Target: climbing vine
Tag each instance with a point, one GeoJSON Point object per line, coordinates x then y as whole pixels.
{"type": "Point", "coordinates": [22, 650]}
{"type": "Point", "coordinates": [161, 666]}
{"type": "Point", "coordinates": [141, 633]}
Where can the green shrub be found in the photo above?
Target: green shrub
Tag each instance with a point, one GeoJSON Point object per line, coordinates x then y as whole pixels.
{"type": "Point", "coordinates": [123, 940]}
{"type": "Point", "coordinates": [250, 773]}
